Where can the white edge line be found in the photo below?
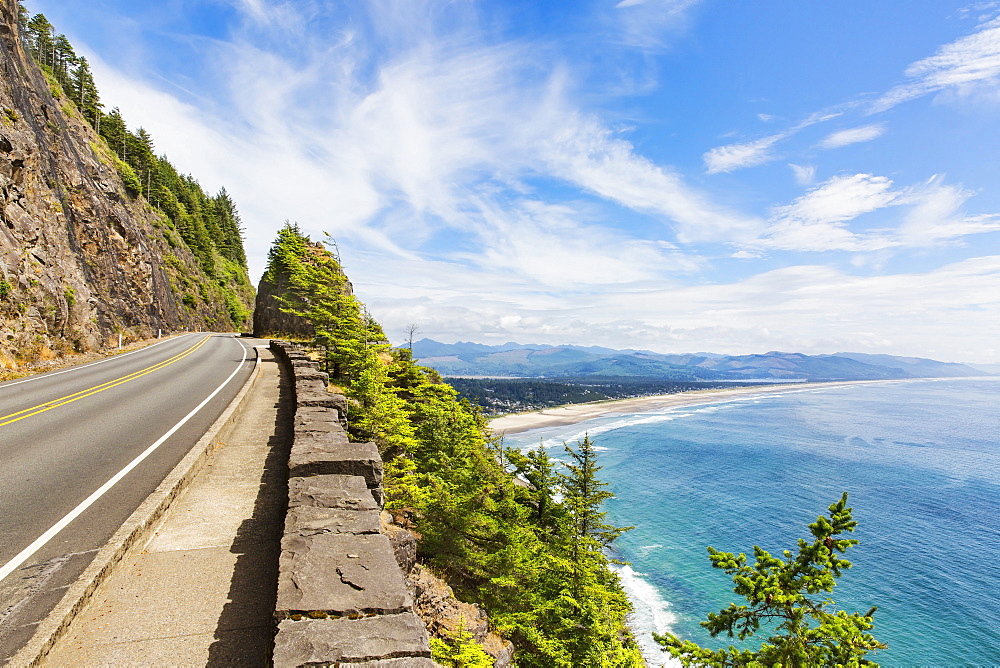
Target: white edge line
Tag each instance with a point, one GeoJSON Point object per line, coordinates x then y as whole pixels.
{"type": "Point", "coordinates": [44, 374]}
{"type": "Point", "coordinates": [23, 556]}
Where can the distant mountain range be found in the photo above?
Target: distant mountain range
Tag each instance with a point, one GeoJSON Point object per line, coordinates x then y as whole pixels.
{"type": "Point", "coordinates": [543, 361]}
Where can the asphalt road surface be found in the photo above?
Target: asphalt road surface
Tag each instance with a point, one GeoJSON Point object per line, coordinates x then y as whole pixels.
{"type": "Point", "coordinates": [67, 435]}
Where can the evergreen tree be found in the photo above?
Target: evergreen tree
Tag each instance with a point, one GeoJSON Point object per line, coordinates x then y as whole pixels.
{"type": "Point", "coordinates": [538, 470]}
{"type": "Point", "coordinates": [230, 227]}
{"type": "Point", "coordinates": [592, 604]}
{"type": "Point", "coordinates": [22, 22]}
{"type": "Point", "coordinates": [806, 629]}
{"type": "Point", "coordinates": [63, 59]}
{"type": "Point", "coordinates": [83, 91]}
{"type": "Point", "coordinates": [585, 495]}
{"type": "Point", "coordinates": [39, 33]}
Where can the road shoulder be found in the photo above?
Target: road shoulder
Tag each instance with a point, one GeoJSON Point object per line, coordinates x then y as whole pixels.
{"type": "Point", "coordinates": [136, 531]}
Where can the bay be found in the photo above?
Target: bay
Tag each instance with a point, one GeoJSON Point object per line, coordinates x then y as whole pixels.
{"type": "Point", "coordinates": [920, 460]}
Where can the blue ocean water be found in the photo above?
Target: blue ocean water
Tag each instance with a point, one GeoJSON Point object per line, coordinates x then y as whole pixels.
{"type": "Point", "coordinates": [920, 460]}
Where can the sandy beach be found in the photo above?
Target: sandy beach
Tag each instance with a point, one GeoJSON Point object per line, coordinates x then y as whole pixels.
{"type": "Point", "coordinates": [550, 417]}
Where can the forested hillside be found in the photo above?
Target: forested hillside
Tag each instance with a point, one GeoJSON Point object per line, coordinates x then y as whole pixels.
{"type": "Point", "coordinates": [533, 556]}
{"type": "Point", "coordinates": [101, 235]}
{"type": "Point", "coordinates": [496, 396]}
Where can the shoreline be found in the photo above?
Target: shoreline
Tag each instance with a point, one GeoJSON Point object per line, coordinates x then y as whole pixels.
{"type": "Point", "coordinates": [517, 423]}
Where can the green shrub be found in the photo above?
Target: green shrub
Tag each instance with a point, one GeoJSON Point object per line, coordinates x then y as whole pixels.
{"type": "Point", "coordinates": [129, 178]}
{"type": "Point", "coordinates": [461, 652]}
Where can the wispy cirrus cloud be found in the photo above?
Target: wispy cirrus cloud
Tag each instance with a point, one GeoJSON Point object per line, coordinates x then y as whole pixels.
{"type": "Point", "coordinates": [936, 214]}
{"type": "Point", "coordinates": [967, 65]}
{"type": "Point", "coordinates": [645, 24]}
{"type": "Point", "coordinates": [820, 220]}
{"type": "Point", "coordinates": [853, 136]}
{"type": "Point", "coordinates": [731, 157]}
{"type": "Point", "coordinates": [817, 221]}
{"type": "Point", "coordinates": [970, 62]}
{"type": "Point", "coordinates": [738, 156]}
{"type": "Point", "coordinates": [411, 137]}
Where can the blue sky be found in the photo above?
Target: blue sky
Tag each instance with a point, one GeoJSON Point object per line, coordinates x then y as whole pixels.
{"type": "Point", "coordinates": [676, 175]}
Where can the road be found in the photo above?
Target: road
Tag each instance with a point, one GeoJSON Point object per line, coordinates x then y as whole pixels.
{"type": "Point", "coordinates": [80, 449]}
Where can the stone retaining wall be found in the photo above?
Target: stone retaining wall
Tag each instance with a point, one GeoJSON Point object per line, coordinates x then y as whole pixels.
{"type": "Point", "coordinates": [342, 599]}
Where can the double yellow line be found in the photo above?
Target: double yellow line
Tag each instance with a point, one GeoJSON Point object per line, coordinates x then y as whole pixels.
{"type": "Point", "coordinates": [70, 398]}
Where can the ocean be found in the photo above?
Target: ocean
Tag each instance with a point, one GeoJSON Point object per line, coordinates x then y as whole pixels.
{"type": "Point", "coordinates": [920, 460]}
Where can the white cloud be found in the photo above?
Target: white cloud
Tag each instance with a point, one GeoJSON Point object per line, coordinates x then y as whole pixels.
{"type": "Point", "coordinates": [731, 157]}
{"type": "Point", "coordinates": [936, 215]}
{"type": "Point", "coordinates": [817, 220]}
{"type": "Point", "coordinates": [545, 246]}
{"type": "Point", "coordinates": [841, 198]}
{"type": "Point", "coordinates": [852, 136]}
{"type": "Point", "coordinates": [645, 24]}
{"type": "Point", "coordinates": [967, 64]}
{"type": "Point", "coordinates": [805, 175]}
{"type": "Point", "coordinates": [584, 152]}
{"type": "Point", "coordinates": [949, 313]}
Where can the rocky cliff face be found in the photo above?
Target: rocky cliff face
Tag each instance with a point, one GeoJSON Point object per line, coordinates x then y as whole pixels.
{"type": "Point", "coordinates": [81, 259]}
{"type": "Point", "coordinates": [268, 318]}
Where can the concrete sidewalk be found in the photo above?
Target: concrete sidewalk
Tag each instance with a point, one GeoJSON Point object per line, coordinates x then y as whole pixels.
{"type": "Point", "coordinates": [202, 589]}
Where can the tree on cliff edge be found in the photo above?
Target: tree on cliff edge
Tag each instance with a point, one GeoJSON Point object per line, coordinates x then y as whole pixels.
{"type": "Point", "coordinates": [781, 593]}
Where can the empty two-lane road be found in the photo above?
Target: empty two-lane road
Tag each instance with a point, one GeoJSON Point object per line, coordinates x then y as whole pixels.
{"type": "Point", "coordinates": [69, 445]}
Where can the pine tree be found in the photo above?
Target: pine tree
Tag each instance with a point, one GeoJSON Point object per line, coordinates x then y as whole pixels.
{"type": "Point", "coordinates": [63, 59]}
{"type": "Point", "coordinates": [22, 22]}
{"type": "Point", "coordinates": [806, 630]}
{"type": "Point", "coordinates": [585, 494]}
{"type": "Point", "coordinates": [39, 33]}
{"type": "Point", "coordinates": [230, 227]}
{"type": "Point", "coordinates": [83, 91]}
{"type": "Point", "coordinates": [538, 470]}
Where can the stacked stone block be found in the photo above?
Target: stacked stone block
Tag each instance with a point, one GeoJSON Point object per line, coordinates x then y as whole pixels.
{"type": "Point", "coordinates": [341, 599]}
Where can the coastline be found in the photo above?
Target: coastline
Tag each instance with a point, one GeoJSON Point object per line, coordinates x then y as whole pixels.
{"type": "Point", "coordinates": [517, 423]}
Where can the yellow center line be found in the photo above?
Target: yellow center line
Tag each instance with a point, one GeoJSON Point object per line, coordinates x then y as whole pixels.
{"type": "Point", "coordinates": [70, 398]}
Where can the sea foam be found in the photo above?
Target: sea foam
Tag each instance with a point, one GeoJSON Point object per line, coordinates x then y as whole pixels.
{"type": "Point", "coordinates": [651, 613]}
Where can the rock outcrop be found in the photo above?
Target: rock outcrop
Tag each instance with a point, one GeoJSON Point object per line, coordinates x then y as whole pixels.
{"type": "Point", "coordinates": [81, 258]}
{"type": "Point", "coordinates": [269, 318]}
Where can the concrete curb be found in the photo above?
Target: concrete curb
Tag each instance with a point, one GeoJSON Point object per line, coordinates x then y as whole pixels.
{"type": "Point", "coordinates": [133, 532]}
